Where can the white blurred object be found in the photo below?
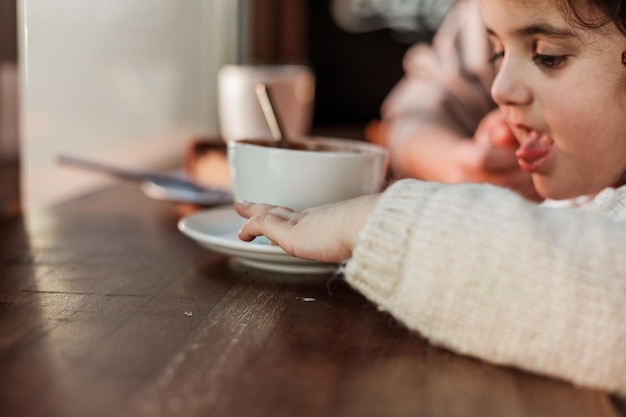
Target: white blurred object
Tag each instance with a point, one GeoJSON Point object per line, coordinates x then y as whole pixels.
{"type": "Point", "coordinates": [419, 16]}
{"type": "Point", "coordinates": [240, 113]}
{"type": "Point", "coordinates": [121, 81]}
{"type": "Point", "coordinates": [321, 170]}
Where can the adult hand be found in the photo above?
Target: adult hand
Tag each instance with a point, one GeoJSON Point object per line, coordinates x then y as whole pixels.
{"type": "Point", "coordinates": [326, 233]}
{"type": "Point", "coordinates": [494, 131]}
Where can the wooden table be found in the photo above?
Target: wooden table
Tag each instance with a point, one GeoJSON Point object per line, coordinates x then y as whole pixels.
{"type": "Point", "coordinates": [106, 309]}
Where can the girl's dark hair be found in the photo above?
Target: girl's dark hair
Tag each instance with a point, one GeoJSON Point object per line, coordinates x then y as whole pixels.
{"type": "Point", "coordinates": [613, 11]}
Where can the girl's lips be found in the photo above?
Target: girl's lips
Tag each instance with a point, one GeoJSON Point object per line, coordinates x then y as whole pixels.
{"type": "Point", "coordinates": [535, 153]}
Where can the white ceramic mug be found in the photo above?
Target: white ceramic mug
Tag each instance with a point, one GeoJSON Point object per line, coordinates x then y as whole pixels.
{"type": "Point", "coordinates": [240, 113]}
{"type": "Point", "coordinates": [301, 179]}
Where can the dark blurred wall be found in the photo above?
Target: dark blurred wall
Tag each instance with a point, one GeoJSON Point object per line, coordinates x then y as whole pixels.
{"type": "Point", "coordinates": [9, 164]}
{"type": "Point", "coordinates": [355, 71]}
{"type": "Point", "coordinates": [8, 31]}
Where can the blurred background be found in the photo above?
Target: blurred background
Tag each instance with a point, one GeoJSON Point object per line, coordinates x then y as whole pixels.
{"type": "Point", "coordinates": [355, 47]}
{"type": "Point", "coordinates": [9, 180]}
{"type": "Point", "coordinates": [131, 82]}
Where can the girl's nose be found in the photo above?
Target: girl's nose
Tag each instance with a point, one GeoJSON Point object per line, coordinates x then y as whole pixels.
{"type": "Point", "coordinates": [510, 87]}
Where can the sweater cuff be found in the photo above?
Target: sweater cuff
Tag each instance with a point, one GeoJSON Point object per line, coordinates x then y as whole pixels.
{"type": "Point", "coordinates": [377, 260]}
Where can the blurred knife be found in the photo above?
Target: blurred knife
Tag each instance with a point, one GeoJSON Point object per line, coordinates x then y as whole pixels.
{"type": "Point", "coordinates": [164, 180]}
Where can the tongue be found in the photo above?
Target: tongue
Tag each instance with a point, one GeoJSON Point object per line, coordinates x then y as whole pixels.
{"type": "Point", "coordinates": [534, 148]}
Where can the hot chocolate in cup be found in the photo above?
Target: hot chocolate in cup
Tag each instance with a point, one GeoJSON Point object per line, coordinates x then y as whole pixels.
{"type": "Point", "coordinates": [312, 172]}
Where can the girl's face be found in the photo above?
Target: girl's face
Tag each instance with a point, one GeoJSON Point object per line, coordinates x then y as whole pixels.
{"type": "Point", "coordinates": [562, 90]}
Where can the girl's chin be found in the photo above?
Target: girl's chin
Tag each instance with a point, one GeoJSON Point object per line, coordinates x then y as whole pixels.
{"type": "Point", "coordinates": [556, 190]}
{"type": "Point", "coordinates": [548, 189]}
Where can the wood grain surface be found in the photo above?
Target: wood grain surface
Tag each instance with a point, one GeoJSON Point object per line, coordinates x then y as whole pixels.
{"type": "Point", "coordinates": [106, 309]}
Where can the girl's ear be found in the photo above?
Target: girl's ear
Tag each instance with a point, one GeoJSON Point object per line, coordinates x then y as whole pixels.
{"type": "Point", "coordinates": [624, 58]}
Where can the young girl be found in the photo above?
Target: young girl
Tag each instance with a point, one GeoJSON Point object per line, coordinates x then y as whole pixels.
{"type": "Point", "coordinates": [479, 269]}
{"type": "Point", "coordinates": [439, 121]}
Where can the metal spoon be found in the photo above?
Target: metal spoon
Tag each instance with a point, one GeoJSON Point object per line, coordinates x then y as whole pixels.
{"type": "Point", "coordinates": [269, 110]}
{"type": "Point", "coordinates": [163, 180]}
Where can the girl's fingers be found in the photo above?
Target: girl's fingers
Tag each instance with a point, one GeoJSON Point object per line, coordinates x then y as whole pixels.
{"type": "Point", "coordinates": [247, 209]}
{"type": "Point", "coordinates": [501, 159]}
{"type": "Point", "coordinates": [263, 219]}
{"type": "Point", "coordinates": [503, 137]}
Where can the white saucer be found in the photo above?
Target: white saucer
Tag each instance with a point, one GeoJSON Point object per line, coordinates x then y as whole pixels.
{"type": "Point", "coordinates": [217, 230]}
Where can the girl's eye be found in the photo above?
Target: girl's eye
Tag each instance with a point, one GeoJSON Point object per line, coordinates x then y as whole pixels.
{"type": "Point", "coordinates": [496, 57]}
{"type": "Point", "coordinates": [549, 61]}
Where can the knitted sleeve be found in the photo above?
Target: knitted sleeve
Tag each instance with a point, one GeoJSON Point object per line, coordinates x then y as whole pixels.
{"type": "Point", "coordinates": [483, 272]}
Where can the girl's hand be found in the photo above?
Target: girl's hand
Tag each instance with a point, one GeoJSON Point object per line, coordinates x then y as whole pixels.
{"type": "Point", "coordinates": [326, 233]}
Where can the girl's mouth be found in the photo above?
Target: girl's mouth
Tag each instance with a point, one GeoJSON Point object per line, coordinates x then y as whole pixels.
{"type": "Point", "coordinates": [535, 152]}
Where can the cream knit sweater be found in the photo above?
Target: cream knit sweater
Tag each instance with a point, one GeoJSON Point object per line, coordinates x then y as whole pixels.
{"type": "Point", "coordinates": [483, 272]}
